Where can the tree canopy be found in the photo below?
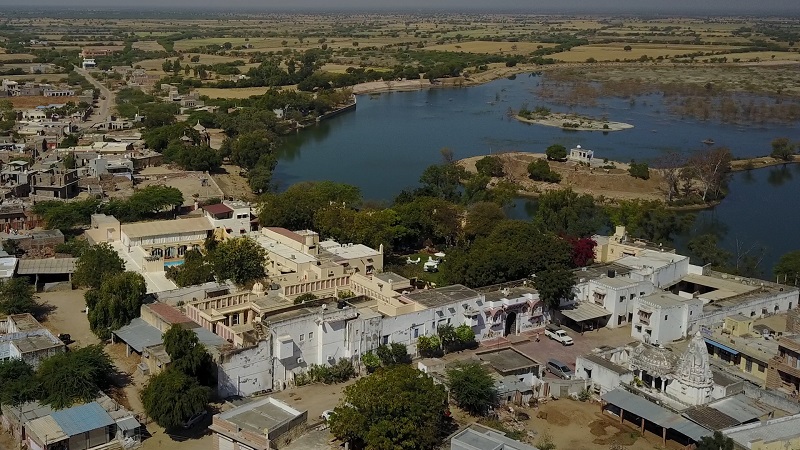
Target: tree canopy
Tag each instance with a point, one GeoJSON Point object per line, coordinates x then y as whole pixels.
{"type": "Point", "coordinates": [554, 284]}
{"type": "Point", "coordinates": [196, 269]}
{"type": "Point", "coordinates": [172, 397]}
{"type": "Point", "coordinates": [490, 166]}
{"type": "Point", "coordinates": [18, 383]}
{"type": "Point", "coordinates": [564, 211]}
{"type": "Point", "coordinates": [188, 355]}
{"type": "Point", "coordinates": [539, 170]}
{"type": "Point", "coordinates": [96, 263]}
{"type": "Point", "coordinates": [240, 260]}
{"type": "Point", "coordinates": [75, 376]}
{"type": "Point", "coordinates": [788, 268]}
{"type": "Point", "coordinates": [556, 152]}
{"type": "Point", "coordinates": [395, 407]}
{"type": "Point", "coordinates": [472, 387]}
{"type": "Point", "coordinates": [783, 148]}
{"type": "Point", "coordinates": [295, 208]}
{"type": "Point", "coordinates": [716, 442]}
{"type": "Point", "coordinates": [17, 297]}
{"type": "Point", "coordinates": [115, 303]}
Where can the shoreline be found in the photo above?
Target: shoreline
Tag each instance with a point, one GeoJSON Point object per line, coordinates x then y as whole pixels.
{"type": "Point", "coordinates": [557, 120]}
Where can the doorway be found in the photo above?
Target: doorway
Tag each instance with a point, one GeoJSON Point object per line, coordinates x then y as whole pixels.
{"type": "Point", "coordinates": [511, 324]}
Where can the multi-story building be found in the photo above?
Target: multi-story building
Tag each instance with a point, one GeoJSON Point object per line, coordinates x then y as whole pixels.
{"type": "Point", "coordinates": [55, 183]}
{"type": "Point", "coordinates": [662, 317]}
{"type": "Point", "coordinates": [784, 368]}
{"type": "Point", "coordinates": [231, 218]}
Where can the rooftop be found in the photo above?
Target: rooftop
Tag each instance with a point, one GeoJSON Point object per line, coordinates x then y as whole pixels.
{"type": "Point", "coordinates": [656, 414]}
{"type": "Point", "coordinates": [218, 208]}
{"type": "Point", "coordinates": [664, 299]}
{"type": "Point", "coordinates": [600, 361]}
{"type": "Point", "coordinates": [391, 277]}
{"type": "Point", "coordinates": [46, 266]}
{"type": "Point", "coordinates": [615, 282]}
{"type": "Point", "coordinates": [286, 233]}
{"type": "Point", "coordinates": [82, 419]}
{"type": "Point", "coordinates": [432, 298]}
{"type": "Point", "coordinates": [509, 293]}
{"type": "Point", "coordinates": [650, 258]}
{"type": "Point", "coordinates": [162, 227]}
{"type": "Point", "coordinates": [260, 415]}
{"type": "Point", "coordinates": [25, 322]}
{"type": "Point", "coordinates": [167, 313]}
{"type": "Point", "coordinates": [140, 335]}
{"type": "Point", "coordinates": [775, 430]}
{"type": "Point", "coordinates": [583, 311]}
{"type": "Point", "coordinates": [507, 360]}
{"type": "Point", "coordinates": [601, 270]}
{"type": "Point", "coordinates": [283, 250]}
{"type": "Point", "coordinates": [710, 418]}
{"type": "Point", "coordinates": [480, 437]}
{"type": "Point", "coordinates": [349, 251]}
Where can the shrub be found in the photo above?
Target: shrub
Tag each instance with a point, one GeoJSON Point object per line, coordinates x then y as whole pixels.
{"type": "Point", "coordinates": [371, 361]}
{"type": "Point", "coordinates": [307, 297]}
{"type": "Point", "coordinates": [556, 152]}
{"type": "Point", "coordinates": [539, 170]}
{"type": "Point", "coordinates": [491, 166]}
{"type": "Point", "coordinates": [639, 170]}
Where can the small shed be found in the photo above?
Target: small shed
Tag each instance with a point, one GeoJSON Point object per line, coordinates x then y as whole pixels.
{"type": "Point", "coordinates": [738, 325]}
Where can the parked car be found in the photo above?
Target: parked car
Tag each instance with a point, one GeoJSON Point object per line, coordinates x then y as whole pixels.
{"type": "Point", "coordinates": [557, 334]}
{"type": "Point", "coordinates": [326, 415]}
{"type": "Point", "coordinates": [559, 369]}
{"type": "Point", "coordinates": [197, 417]}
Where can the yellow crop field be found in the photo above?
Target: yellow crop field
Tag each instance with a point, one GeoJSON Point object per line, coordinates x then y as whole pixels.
{"type": "Point", "coordinates": [149, 46]}
{"type": "Point", "coordinates": [237, 92]}
{"type": "Point", "coordinates": [611, 52]}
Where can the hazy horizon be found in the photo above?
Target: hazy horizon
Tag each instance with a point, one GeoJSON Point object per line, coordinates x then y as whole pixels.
{"type": "Point", "coordinates": [656, 7]}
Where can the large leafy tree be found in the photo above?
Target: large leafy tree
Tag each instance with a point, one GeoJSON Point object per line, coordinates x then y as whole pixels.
{"type": "Point", "coordinates": [17, 297]}
{"type": "Point", "coordinates": [570, 213]}
{"type": "Point", "coordinates": [240, 260]}
{"type": "Point", "coordinates": [788, 268]}
{"type": "Point", "coordinates": [716, 442]}
{"type": "Point", "coordinates": [96, 263]}
{"type": "Point", "coordinates": [18, 383]}
{"type": "Point", "coordinates": [295, 208]}
{"type": "Point", "coordinates": [395, 407]}
{"type": "Point", "coordinates": [443, 181]}
{"type": "Point", "coordinates": [75, 376]}
{"type": "Point", "coordinates": [250, 147]}
{"type": "Point", "coordinates": [188, 355]}
{"type": "Point", "coordinates": [556, 152]}
{"type": "Point", "coordinates": [706, 248]}
{"type": "Point", "coordinates": [196, 269]}
{"type": "Point", "coordinates": [783, 148]}
{"type": "Point", "coordinates": [171, 397]}
{"type": "Point", "coordinates": [482, 218]}
{"type": "Point", "coordinates": [429, 219]}
{"type": "Point", "coordinates": [649, 220]}
{"type": "Point", "coordinates": [472, 387]}
{"type": "Point", "coordinates": [554, 284]}
{"type": "Point", "coordinates": [489, 166]}
{"type": "Point", "coordinates": [117, 302]}
{"type": "Point", "coordinates": [66, 215]}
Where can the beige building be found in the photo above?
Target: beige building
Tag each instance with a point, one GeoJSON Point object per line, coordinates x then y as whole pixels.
{"type": "Point", "coordinates": [256, 425]}
{"type": "Point", "coordinates": [299, 263]}
{"type": "Point", "coordinates": [620, 245]}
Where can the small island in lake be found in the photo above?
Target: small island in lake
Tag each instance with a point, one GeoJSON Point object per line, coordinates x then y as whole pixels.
{"type": "Point", "coordinates": [568, 121]}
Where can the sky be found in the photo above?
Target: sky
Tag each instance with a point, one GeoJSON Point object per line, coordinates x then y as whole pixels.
{"type": "Point", "coordinates": [665, 7]}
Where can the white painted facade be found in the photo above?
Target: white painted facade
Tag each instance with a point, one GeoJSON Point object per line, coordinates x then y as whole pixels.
{"type": "Point", "coordinates": [662, 269]}
{"type": "Point", "coordinates": [602, 377]}
{"type": "Point", "coordinates": [663, 317]}
{"type": "Point", "coordinates": [245, 371]}
{"type": "Point", "coordinates": [616, 295]}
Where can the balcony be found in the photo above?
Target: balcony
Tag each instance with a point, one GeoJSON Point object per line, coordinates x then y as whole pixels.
{"type": "Point", "coordinates": [780, 364]}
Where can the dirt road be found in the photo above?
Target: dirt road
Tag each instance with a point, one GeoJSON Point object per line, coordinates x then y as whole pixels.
{"type": "Point", "coordinates": [105, 102]}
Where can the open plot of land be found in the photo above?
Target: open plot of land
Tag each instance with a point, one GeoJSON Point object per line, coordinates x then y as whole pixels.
{"type": "Point", "coordinates": [611, 52]}
{"type": "Point", "coordinates": [68, 316]}
{"type": "Point", "coordinates": [34, 101]}
{"type": "Point", "coordinates": [150, 46]}
{"type": "Point", "coordinates": [236, 92]}
{"type": "Point", "coordinates": [491, 47]}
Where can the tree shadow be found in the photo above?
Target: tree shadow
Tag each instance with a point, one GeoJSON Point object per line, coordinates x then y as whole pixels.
{"type": "Point", "coordinates": [42, 311]}
{"type": "Point", "coordinates": [121, 379]}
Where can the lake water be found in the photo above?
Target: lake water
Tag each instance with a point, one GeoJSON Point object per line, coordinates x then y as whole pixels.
{"type": "Point", "coordinates": [385, 144]}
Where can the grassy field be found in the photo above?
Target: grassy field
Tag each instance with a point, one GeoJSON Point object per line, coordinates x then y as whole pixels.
{"type": "Point", "coordinates": [612, 52]}
{"type": "Point", "coordinates": [149, 46]}
{"type": "Point", "coordinates": [236, 92]}
{"type": "Point", "coordinates": [490, 47]}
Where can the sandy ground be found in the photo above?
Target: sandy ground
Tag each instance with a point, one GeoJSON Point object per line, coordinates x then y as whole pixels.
{"type": "Point", "coordinates": [314, 398]}
{"type": "Point", "coordinates": [40, 100]}
{"type": "Point", "coordinates": [587, 124]}
{"type": "Point", "coordinates": [67, 316]}
{"type": "Point", "coordinates": [760, 162]}
{"type": "Point", "coordinates": [232, 184]}
{"type": "Point", "coordinates": [610, 183]}
{"type": "Point", "coordinates": [189, 183]}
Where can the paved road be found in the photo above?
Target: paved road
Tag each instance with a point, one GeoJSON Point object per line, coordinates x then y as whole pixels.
{"type": "Point", "coordinates": [105, 102]}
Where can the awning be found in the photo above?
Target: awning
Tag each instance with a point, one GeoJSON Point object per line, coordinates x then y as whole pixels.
{"type": "Point", "coordinates": [721, 347]}
{"type": "Point", "coordinates": [128, 423]}
{"type": "Point", "coordinates": [584, 311]}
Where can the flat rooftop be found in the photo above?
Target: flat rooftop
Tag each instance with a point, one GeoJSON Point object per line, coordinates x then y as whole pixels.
{"type": "Point", "coordinates": [260, 415]}
{"type": "Point", "coordinates": [162, 227]}
{"type": "Point", "coordinates": [507, 360]}
{"type": "Point", "coordinates": [650, 258]}
{"type": "Point", "coordinates": [601, 270]}
{"type": "Point", "coordinates": [349, 251]}
{"type": "Point", "coordinates": [617, 282]}
{"type": "Point", "coordinates": [608, 364]}
{"type": "Point", "coordinates": [664, 299]}
{"type": "Point", "coordinates": [515, 292]}
{"type": "Point", "coordinates": [284, 251]}
{"type": "Point", "coordinates": [432, 298]}
{"type": "Point", "coordinates": [774, 430]}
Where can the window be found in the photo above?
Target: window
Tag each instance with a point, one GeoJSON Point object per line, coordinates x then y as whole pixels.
{"type": "Point", "coordinates": [621, 298]}
{"type": "Point", "coordinates": [385, 339]}
{"type": "Point", "coordinates": [666, 317]}
{"type": "Point", "coordinates": [752, 313]}
{"type": "Point", "coordinates": [302, 337]}
{"type": "Point", "coordinates": [639, 328]}
{"type": "Point", "coordinates": [310, 335]}
{"type": "Point", "coordinates": [416, 332]}
{"type": "Point", "coordinates": [641, 294]}
{"type": "Point", "coordinates": [761, 368]}
{"type": "Point", "coordinates": [748, 366]}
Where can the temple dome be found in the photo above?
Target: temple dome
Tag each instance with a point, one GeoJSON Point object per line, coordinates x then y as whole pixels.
{"type": "Point", "coordinates": [258, 288]}
{"type": "Point", "coordinates": [656, 361]}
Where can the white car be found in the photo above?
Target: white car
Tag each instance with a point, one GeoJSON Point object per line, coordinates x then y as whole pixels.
{"type": "Point", "coordinates": [197, 417]}
{"type": "Point", "coordinates": [326, 415]}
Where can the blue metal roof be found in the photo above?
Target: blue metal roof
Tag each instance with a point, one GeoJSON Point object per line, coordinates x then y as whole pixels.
{"type": "Point", "coordinates": [82, 419]}
{"type": "Point", "coordinates": [722, 347]}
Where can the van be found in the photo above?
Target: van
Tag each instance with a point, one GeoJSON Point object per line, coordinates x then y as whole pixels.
{"type": "Point", "coordinates": [559, 369]}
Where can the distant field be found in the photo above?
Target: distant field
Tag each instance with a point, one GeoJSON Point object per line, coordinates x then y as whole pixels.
{"type": "Point", "coordinates": [48, 77]}
{"type": "Point", "coordinates": [491, 47]}
{"type": "Point", "coordinates": [13, 56]}
{"type": "Point", "coordinates": [34, 101]}
{"type": "Point", "coordinates": [237, 92]}
{"type": "Point", "coordinates": [342, 68]}
{"type": "Point", "coordinates": [611, 52]}
{"type": "Point", "coordinates": [149, 46]}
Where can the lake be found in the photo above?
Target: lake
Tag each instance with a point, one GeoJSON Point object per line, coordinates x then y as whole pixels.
{"type": "Point", "coordinates": [385, 144]}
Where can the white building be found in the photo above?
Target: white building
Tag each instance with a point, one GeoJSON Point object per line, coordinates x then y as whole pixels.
{"type": "Point", "coordinates": [603, 374]}
{"type": "Point", "coordinates": [662, 269]}
{"type": "Point", "coordinates": [662, 317]}
{"type": "Point", "coordinates": [580, 155]}
{"type": "Point", "coordinates": [231, 218]}
{"type": "Point", "coordinates": [615, 293]}
{"type": "Point", "coordinates": [693, 382]}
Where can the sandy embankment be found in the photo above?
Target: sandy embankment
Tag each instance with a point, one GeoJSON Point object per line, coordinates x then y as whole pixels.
{"type": "Point", "coordinates": [586, 123]}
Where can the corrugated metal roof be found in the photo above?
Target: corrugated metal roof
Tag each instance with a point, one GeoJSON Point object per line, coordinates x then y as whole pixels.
{"type": "Point", "coordinates": [656, 414]}
{"type": "Point", "coordinates": [81, 419]}
{"type": "Point", "coordinates": [139, 334]}
{"type": "Point", "coordinates": [128, 423]}
{"type": "Point", "coordinates": [47, 430]}
{"type": "Point", "coordinates": [46, 266]}
{"type": "Point", "coordinates": [585, 311]}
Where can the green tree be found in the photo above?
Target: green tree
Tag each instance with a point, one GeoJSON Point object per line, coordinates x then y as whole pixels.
{"type": "Point", "coordinates": [569, 213]}
{"type": "Point", "coordinates": [443, 181]}
{"type": "Point", "coordinates": [490, 166]}
{"type": "Point", "coordinates": [539, 170]}
{"type": "Point", "coordinates": [7, 116]}
{"type": "Point", "coordinates": [250, 147]}
{"type": "Point", "coordinates": [556, 152]}
{"type": "Point", "coordinates": [482, 217]}
{"type": "Point", "coordinates": [465, 335]}
{"type": "Point", "coordinates": [66, 215]}
{"type": "Point", "coordinates": [69, 161]}
{"type": "Point", "coordinates": [194, 270]}
{"type": "Point", "coordinates": [447, 336]}
{"type": "Point", "coordinates": [393, 406]}
{"type": "Point", "coordinates": [639, 170]}
{"type": "Point", "coordinates": [649, 220]}
{"type": "Point", "coordinates": [95, 264]}
{"type": "Point", "coordinates": [17, 297]}
{"type": "Point", "coordinates": [307, 297]}
{"type": "Point", "coordinates": [371, 361]}
{"type": "Point", "coordinates": [188, 355]}
{"type": "Point", "coordinates": [75, 376]}
{"type": "Point", "coordinates": [783, 148]}
{"type": "Point", "coordinates": [240, 260]}
{"type": "Point", "coordinates": [393, 354]}
{"type": "Point", "coordinates": [18, 383]}
{"type": "Point", "coordinates": [295, 208]}
{"type": "Point", "coordinates": [472, 387]}
{"type": "Point", "coordinates": [172, 397]}
{"type": "Point", "coordinates": [117, 302]}
{"type": "Point", "coordinates": [555, 284]}
{"type": "Point", "coordinates": [787, 270]}
{"type": "Point", "coordinates": [706, 248]}
{"type": "Point", "coordinates": [429, 346]}
{"type": "Point", "coordinates": [716, 442]}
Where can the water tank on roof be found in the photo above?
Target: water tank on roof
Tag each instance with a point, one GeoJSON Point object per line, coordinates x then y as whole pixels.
{"type": "Point", "coordinates": [612, 273]}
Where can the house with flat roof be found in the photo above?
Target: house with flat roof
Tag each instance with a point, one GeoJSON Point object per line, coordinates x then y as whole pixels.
{"type": "Point", "coordinates": [80, 427]}
{"type": "Point", "coordinates": [662, 317]}
{"type": "Point", "coordinates": [55, 183]}
{"type": "Point", "coordinates": [783, 372]}
{"type": "Point", "coordinates": [481, 437]}
{"type": "Point", "coordinates": [257, 425]}
{"type": "Point", "coordinates": [23, 337]}
{"type": "Point", "coordinates": [231, 218]}
{"type": "Point", "coordinates": [612, 291]}
{"type": "Point", "coordinates": [603, 374]}
{"type": "Point", "coordinates": [778, 433]}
